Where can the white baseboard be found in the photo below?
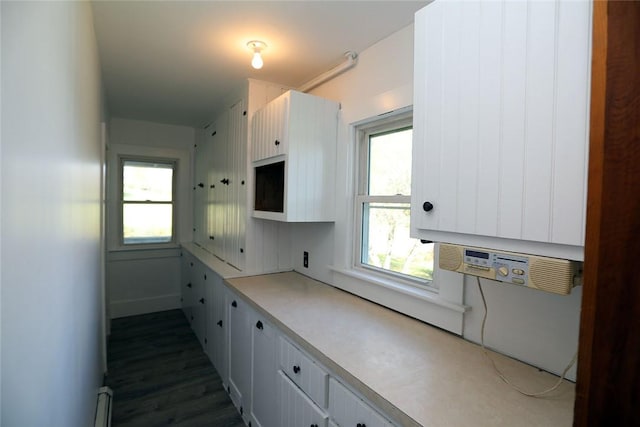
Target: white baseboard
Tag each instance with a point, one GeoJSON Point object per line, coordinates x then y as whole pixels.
{"type": "Point", "coordinates": [132, 307]}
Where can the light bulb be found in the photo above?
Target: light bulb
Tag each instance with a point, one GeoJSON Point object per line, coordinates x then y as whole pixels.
{"type": "Point", "coordinates": [257, 62]}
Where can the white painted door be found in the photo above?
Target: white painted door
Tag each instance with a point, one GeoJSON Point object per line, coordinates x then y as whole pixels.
{"type": "Point", "coordinates": [263, 401]}
{"type": "Point", "coordinates": [295, 408]}
{"type": "Point", "coordinates": [237, 186]}
{"type": "Point", "coordinates": [219, 348]}
{"type": "Point", "coordinates": [218, 187]}
{"type": "Point", "coordinates": [185, 280]}
{"type": "Point", "coordinates": [270, 129]}
{"type": "Point", "coordinates": [201, 169]}
{"type": "Point", "coordinates": [239, 353]}
{"type": "Point", "coordinates": [199, 312]}
{"type": "Point", "coordinates": [501, 119]}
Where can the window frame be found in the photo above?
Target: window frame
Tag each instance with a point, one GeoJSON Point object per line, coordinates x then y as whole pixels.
{"type": "Point", "coordinates": [121, 202]}
{"type": "Point", "coordinates": [363, 131]}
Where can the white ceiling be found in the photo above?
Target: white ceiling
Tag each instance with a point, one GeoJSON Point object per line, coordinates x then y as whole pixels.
{"type": "Point", "coordinates": [174, 61]}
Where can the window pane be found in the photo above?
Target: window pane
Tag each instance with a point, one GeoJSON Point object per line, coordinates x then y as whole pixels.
{"type": "Point", "coordinates": [386, 243]}
{"type": "Point", "coordinates": [147, 223]}
{"type": "Point", "coordinates": [147, 181]}
{"type": "Point", "coordinates": [390, 163]}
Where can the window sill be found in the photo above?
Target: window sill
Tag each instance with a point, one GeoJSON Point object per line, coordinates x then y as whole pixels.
{"type": "Point", "coordinates": [415, 292]}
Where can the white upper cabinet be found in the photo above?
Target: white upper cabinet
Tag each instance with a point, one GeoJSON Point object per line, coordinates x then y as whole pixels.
{"type": "Point", "coordinates": [269, 127]}
{"type": "Point", "coordinates": [294, 153]}
{"type": "Point", "coordinates": [501, 125]}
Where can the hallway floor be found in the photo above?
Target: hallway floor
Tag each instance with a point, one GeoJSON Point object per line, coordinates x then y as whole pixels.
{"type": "Point", "coordinates": [161, 377]}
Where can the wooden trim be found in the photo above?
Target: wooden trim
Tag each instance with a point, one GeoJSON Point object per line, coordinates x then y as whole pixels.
{"type": "Point", "coordinates": [608, 382]}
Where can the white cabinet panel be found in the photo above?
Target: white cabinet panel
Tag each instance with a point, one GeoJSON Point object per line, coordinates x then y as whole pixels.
{"type": "Point", "coordinates": [501, 107]}
{"type": "Point", "coordinates": [301, 130]}
{"type": "Point", "coordinates": [347, 409]}
{"type": "Point", "coordinates": [309, 376]}
{"type": "Point", "coordinates": [296, 409]}
{"type": "Point", "coordinates": [269, 127]}
{"type": "Point", "coordinates": [264, 366]}
{"type": "Point", "coordinates": [219, 348]}
{"type": "Point", "coordinates": [239, 353]}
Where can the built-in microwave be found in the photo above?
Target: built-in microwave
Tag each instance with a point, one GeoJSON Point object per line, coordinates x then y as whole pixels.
{"type": "Point", "coordinates": [269, 187]}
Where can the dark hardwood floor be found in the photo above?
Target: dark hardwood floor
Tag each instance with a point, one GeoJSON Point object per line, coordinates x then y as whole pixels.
{"type": "Point", "coordinates": [161, 377]}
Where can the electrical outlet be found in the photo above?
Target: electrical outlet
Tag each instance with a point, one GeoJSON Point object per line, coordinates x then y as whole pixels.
{"type": "Point", "coordinates": [305, 259]}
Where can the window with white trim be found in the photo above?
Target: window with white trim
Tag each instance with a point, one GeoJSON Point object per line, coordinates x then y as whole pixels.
{"type": "Point", "coordinates": [147, 200]}
{"type": "Point", "coordinates": [383, 245]}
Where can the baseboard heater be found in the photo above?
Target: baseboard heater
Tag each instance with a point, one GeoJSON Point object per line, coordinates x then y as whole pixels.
{"type": "Point", "coordinates": [103, 409]}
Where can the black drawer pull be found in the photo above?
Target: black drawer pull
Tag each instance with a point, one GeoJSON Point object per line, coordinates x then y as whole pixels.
{"type": "Point", "coordinates": [426, 206]}
{"type": "Point", "coordinates": [201, 300]}
{"type": "Point", "coordinates": [361, 425]}
{"type": "Point", "coordinates": [234, 303]}
{"type": "Point", "coordinates": [189, 285]}
{"type": "Point", "coordinates": [219, 323]}
{"type": "Point", "coordinates": [277, 142]}
{"type": "Point", "coordinates": [296, 369]}
{"type": "Point", "coordinates": [313, 425]}
{"type": "Point", "coordinates": [259, 325]}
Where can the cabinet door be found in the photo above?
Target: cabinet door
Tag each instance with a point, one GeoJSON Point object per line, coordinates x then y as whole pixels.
{"type": "Point", "coordinates": [347, 409]}
{"type": "Point", "coordinates": [185, 284]}
{"type": "Point", "coordinates": [210, 308]}
{"type": "Point", "coordinates": [218, 187]}
{"type": "Point", "coordinates": [263, 399]}
{"type": "Point", "coordinates": [269, 129]}
{"type": "Point", "coordinates": [501, 115]}
{"type": "Point", "coordinates": [304, 372]}
{"type": "Point", "coordinates": [296, 409]}
{"type": "Point", "coordinates": [219, 350]}
{"type": "Point", "coordinates": [237, 187]}
{"type": "Point", "coordinates": [239, 353]}
{"type": "Point", "coordinates": [201, 168]}
{"type": "Point", "coordinates": [198, 311]}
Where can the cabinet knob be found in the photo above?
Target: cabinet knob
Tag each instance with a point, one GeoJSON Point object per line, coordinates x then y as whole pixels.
{"type": "Point", "coordinates": [361, 425]}
{"type": "Point", "coordinates": [201, 185]}
{"type": "Point", "coordinates": [219, 323]}
{"type": "Point", "coordinates": [201, 300]}
{"type": "Point", "coordinates": [211, 238]}
{"type": "Point", "coordinates": [277, 142]}
{"type": "Point", "coordinates": [424, 241]}
{"type": "Point", "coordinates": [313, 425]}
{"type": "Point", "coordinates": [427, 206]}
{"type": "Point", "coordinates": [234, 303]}
{"type": "Point", "coordinates": [189, 285]}
{"type": "Point", "coordinates": [259, 325]}
{"type": "Point", "coordinates": [296, 369]}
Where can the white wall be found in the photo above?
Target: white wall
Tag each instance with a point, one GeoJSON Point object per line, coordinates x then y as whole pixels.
{"type": "Point", "coordinates": [536, 327]}
{"type": "Point", "coordinates": [51, 307]}
{"type": "Point", "coordinates": [144, 281]}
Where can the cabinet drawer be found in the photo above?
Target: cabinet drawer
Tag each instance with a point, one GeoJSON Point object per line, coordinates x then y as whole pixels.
{"type": "Point", "coordinates": [348, 410]}
{"type": "Point", "coordinates": [296, 409]}
{"type": "Point", "coordinates": [304, 372]}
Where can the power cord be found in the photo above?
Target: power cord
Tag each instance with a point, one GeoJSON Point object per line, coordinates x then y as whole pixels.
{"type": "Point", "coordinates": [500, 374]}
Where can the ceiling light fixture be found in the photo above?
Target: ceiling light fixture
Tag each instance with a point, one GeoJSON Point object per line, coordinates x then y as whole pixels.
{"type": "Point", "coordinates": [256, 46]}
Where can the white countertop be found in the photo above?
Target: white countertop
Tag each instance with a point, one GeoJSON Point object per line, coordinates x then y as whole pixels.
{"type": "Point", "coordinates": [417, 374]}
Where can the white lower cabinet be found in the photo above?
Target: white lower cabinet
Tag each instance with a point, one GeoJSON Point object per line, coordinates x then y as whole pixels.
{"type": "Point", "coordinates": [295, 407]}
{"type": "Point", "coordinates": [239, 354]}
{"type": "Point", "coordinates": [270, 380]}
{"type": "Point", "coordinates": [218, 350]}
{"type": "Point", "coordinates": [348, 410]}
{"type": "Point", "coordinates": [263, 364]}
{"type": "Point", "coordinates": [304, 372]}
